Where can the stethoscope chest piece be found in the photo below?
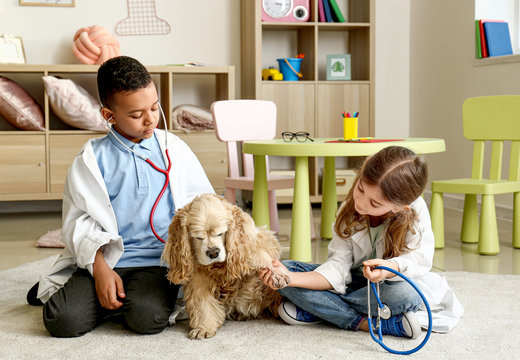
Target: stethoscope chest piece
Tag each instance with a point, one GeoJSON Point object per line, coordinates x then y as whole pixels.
{"type": "Point", "coordinates": [386, 313]}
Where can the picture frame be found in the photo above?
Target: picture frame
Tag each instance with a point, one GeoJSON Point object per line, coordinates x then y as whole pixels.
{"type": "Point", "coordinates": [338, 67]}
{"type": "Point", "coordinates": [61, 3]}
{"type": "Point", "coordinates": [11, 50]}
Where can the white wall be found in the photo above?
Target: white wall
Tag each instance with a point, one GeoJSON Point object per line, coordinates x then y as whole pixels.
{"type": "Point", "coordinates": [201, 30]}
{"type": "Point", "coordinates": [443, 76]}
{"type": "Point", "coordinates": [392, 69]}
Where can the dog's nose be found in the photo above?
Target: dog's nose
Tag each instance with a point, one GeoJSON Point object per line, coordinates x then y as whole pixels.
{"type": "Point", "coordinates": [213, 252]}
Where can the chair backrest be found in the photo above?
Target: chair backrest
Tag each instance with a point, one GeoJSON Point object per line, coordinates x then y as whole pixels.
{"type": "Point", "coordinates": [242, 120]}
{"type": "Point", "coordinates": [495, 119]}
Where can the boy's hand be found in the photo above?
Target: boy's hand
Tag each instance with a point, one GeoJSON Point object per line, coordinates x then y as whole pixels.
{"type": "Point", "coordinates": [377, 275]}
{"type": "Point", "coordinates": [109, 285]}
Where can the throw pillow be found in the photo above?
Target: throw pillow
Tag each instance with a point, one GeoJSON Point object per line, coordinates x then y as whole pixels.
{"type": "Point", "coordinates": [18, 107]}
{"type": "Point", "coordinates": [73, 104]}
{"type": "Point", "coordinates": [191, 117]}
{"type": "Point", "coordinates": [51, 239]}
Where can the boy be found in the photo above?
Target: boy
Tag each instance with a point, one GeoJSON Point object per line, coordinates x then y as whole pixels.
{"type": "Point", "coordinates": [111, 264]}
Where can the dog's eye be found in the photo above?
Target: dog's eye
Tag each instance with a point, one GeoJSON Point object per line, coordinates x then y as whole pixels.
{"type": "Point", "coordinates": [220, 235]}
{"type": "Point", "coordinates": [199, 238]}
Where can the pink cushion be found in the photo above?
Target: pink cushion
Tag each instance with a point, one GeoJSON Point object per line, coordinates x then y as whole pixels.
{"type": "Point", "coordinates": [73, 104]}
{"type": "Point", "coordinates": [18, 107]}
{"type": "Point", "coordinates": [52, 239]}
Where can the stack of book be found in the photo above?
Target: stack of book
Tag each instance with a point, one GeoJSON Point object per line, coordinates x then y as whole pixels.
{"type": "Point", "coordinates": [329, 11]}
{"type": "Point", "coordinates": [492, 38]}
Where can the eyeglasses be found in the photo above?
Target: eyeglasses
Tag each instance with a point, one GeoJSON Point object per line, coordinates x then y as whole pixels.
{"type": "Point", "coordinates": [301, 136]}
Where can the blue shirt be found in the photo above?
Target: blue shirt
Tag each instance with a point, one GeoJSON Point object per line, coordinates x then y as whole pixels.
{"type": "Point", "coordinates": [133, 186]}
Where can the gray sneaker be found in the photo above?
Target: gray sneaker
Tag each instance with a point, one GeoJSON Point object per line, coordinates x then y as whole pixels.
{"type": "Point", "coordinates": [403, 325]}
{"type": "Point", "coordinates": [293, 315]}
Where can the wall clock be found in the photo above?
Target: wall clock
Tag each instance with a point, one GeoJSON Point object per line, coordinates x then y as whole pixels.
{"type": "Point", "coordinates": [285, 10]}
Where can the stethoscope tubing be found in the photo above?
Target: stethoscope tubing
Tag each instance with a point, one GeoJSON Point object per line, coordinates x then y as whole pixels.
{"type": "Point", "coordinates": [166, 182]}
{"type": "Point", "coordinates": [166, 172]}
{"type": "Point", "coordinates": [380, 335]}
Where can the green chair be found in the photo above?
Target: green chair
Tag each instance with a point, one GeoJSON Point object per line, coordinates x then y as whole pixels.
{"type": "Point", "coordinates": [495, 119]}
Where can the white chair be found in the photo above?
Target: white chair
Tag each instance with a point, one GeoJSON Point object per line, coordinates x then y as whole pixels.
{"type": "Point", "coordinates": [242, 120]}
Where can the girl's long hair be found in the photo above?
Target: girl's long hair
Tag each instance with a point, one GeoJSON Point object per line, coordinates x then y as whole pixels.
{"type": "Point", "coordinates": [401, 175]}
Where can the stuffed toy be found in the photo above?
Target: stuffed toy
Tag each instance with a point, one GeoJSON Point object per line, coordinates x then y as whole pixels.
{"type": "Point", "coordinates": [95, 45]}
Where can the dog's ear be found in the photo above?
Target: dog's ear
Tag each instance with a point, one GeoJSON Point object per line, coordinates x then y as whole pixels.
{"type": "Point", "coordinates": [177, 252]}
{"type": "Point", "coordinates": [239, 242]}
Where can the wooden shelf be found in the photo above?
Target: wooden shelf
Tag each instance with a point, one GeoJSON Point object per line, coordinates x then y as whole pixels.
{"type": "Point", "coordinates": [34, 163]}
{"type": "Point", "coordinates": [312, 104]}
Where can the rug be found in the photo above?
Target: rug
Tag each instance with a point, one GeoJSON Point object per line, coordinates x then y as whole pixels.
{"type": "Point", "coordinates": [488, 330]}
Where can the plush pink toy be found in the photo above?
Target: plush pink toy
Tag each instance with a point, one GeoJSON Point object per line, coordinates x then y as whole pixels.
{"type": "Point", "coordinates": [94, 45]}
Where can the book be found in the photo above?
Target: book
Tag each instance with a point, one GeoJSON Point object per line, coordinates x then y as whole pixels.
{"type": "Point", "coordinates": [192, 64]}
{"type": "Point", "coordinates": [483, 46]}
{"type": "Point", "coordinates": [321, 11]}
{"type": "Point", "coordinates": [326, 9]}
{"type": "Point", "coordinates": [498, 39]}
{"type": "Point", "coordinates": [336, 11]}
{"type": "Point", "coordinates": [478, 48]}
{"type": "Point", "coordinates": [483, 40]}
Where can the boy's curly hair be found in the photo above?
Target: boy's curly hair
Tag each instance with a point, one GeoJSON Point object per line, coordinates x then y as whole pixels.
{"type": "Point", "coordinates": [120, 74]}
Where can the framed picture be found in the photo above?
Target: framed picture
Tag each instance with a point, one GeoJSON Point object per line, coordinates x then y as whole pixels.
{"type": "Point", "coordinates": [69, 3]}
{"type": "Point", "coordinates": [338, 67]}
{"type": "Point", "coordinates": [11, 50]}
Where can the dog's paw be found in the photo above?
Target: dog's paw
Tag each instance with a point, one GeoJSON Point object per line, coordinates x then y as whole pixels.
{"type": "Point", "coordinates": [281, 278]}
{"type": "Point", "coordinates": [201, 334]}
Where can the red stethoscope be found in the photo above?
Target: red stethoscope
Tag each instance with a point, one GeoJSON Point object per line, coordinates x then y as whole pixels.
{"type": "Point", "coordinates": [166, 172]}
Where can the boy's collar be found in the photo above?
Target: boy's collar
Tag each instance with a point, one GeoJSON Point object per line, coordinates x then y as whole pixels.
{"type": "Point", "coordinates": [145, 143]}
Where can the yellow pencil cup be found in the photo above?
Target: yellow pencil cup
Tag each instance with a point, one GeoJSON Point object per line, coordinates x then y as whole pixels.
{"type": "Point", "coordinates": [350, 128]}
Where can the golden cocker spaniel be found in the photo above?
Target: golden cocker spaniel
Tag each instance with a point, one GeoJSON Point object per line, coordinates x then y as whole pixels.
{"type": "Point", "coordinates": [215, 251]}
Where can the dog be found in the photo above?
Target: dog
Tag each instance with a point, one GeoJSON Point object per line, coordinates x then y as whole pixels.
{"type": "Point", "coordinates": [215, 251]}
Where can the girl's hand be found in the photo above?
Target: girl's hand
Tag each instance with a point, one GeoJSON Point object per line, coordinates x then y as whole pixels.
{"type": "Point", "coordinates": [265, 274]}
{"type": "Point", "coordinates": [377, 275]}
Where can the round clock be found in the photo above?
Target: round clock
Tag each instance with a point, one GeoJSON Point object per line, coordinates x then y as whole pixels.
{"type": "Point", "coordinates": [277, 8]}
{"type": "Point", "coordinates": [285, 10]}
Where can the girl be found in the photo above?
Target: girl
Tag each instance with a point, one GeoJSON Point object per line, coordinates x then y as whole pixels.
{"type": "Point", "coordinates": [384, 221]}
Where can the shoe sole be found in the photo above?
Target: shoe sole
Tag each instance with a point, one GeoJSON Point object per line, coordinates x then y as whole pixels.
{"type": "Point", "coordinates": [413, 324]}
{"type": "Point", "coordinates": [292, 321]}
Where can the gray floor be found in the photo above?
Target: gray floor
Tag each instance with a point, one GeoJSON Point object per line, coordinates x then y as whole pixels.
{"type": "Point", "coordinates": [20, 231]}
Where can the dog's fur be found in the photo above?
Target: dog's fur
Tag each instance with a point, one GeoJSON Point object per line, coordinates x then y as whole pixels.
{"type": "Point", "coordinates": [215, 250]}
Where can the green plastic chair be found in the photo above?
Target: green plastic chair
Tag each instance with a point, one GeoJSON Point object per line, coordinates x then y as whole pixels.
{"type": "Point", "coordinates": [487, 118]}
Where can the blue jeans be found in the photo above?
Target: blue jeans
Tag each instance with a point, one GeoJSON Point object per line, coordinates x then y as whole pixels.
{"type": "Point", "coordinates": [348, 310]}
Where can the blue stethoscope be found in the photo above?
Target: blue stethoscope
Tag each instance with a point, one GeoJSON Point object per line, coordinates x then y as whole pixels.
{"type": "Point", "coordinates": [383, 311]}
{"type": "Point", "coordinates": [166, 172]}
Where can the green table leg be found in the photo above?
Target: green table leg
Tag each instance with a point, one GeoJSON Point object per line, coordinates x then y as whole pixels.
{"type": "Point", "coordinates": [329, 202]}
{"type": "Point", "coordinates": [301, 222]}
{"type": "Point", "coordinates": [260, 198]}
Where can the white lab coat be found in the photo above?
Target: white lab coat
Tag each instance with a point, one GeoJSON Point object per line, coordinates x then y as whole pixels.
{"type": "Point", "coordinates": [89, 222]}
{"type": "Point", "coordinates": [348, 254]}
